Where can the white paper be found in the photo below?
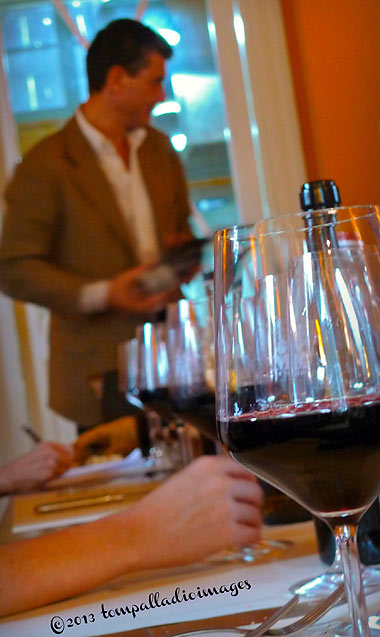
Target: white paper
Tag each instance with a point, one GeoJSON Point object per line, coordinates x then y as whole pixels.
{"type": "Point", "coordinates": [134, 464]}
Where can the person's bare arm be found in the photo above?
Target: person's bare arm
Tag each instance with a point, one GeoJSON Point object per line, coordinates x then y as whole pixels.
{"type": "Point", "coordinates": [31, 470]}
{"type": "Point", "coordinates": [210, 505]}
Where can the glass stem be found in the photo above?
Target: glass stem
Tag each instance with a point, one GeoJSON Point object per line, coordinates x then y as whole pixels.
{"type": "Point", "coordinates": [336, 566]}
{"type": "Point", "coordinates": [346, 539]}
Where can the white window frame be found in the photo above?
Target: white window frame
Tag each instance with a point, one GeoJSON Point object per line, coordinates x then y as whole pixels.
{"type": "Point", "coordinates": [263, 136]}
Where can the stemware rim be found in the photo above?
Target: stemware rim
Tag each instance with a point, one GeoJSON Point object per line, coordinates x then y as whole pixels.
{"type": "Point", "coordinates": [174, 304]}
{"type": "Point", "coordinates": [242, 232]}
{"type": "Point", "coordinates": [153, 324]}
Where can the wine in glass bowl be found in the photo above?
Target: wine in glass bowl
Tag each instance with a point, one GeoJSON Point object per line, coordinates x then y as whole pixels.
{"type": "Point", "coordinates": [309, 451]}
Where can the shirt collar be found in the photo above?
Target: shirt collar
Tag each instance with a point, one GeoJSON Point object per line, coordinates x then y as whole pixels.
{"type": "Point", "coordinates": [99, 142]}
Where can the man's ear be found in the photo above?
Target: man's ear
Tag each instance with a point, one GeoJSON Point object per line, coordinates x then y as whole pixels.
{"type": "Point", "coordinates": [116, 77]}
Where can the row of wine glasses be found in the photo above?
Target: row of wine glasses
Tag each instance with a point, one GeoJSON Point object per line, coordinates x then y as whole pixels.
{"type": "Point", "coordinates": [170, 372]}
{"type": "Point", "coordinates": [153, 380]}
{"type": "Point", "coordinates": [169, 367]}
{"type": "Point", "coordinates": [298, 366]}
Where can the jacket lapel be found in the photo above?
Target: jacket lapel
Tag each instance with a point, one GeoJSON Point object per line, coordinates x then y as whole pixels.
{"type": "Point", "coordinates": [91, 180]}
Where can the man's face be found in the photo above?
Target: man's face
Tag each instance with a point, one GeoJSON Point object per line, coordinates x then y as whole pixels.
{"type": "Point", "coordinates": [139, 94]}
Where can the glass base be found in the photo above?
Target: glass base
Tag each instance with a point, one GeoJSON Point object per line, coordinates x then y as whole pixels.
{"type": "Point", "coordinates": [344, 630]}
{"type": "Point", "coordinates": [324, 584]}
{"type": "Point", "coordinates": [268, 549]}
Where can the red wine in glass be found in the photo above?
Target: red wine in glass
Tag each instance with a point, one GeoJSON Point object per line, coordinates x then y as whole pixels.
{"type": "Point", "coordinates": [304, 452]}
{"type": "Point", "coordinates": [157, 400]}
{"type": "Point", "coordinates": [198, 409]}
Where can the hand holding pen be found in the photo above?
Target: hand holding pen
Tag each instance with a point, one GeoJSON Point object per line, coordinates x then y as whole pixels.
{"type": "Point", "coordinates": [33, 469]}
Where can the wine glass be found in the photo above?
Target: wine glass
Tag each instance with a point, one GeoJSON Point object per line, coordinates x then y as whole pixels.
{"type": "Point", "coordinates": [190, 330]}
{"type": "Point", "coordinates": [128, 383]}
{"type": "Point", "coordinates": [167, 448]}
{"type": "Point", "coordinates": [191, 349]}
{"type": "Point", "coordinates": [153, 368]}
{"type": "Point", "coordinates": [311, 425]}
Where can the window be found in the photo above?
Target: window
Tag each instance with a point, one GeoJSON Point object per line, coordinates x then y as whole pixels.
{"type": "Point", "coordinates": [47, 79]}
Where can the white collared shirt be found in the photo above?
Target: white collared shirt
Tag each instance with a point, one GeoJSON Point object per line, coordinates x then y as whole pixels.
{"type": "Point", "coordinates": [132, 198]}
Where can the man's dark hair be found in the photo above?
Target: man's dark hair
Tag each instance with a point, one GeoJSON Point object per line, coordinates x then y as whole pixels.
{"type": "Point", "coordinates": [125, 43]}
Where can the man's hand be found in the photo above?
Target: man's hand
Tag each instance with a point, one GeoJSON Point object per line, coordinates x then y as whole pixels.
{"type": "Point", "coordinates": [127, 293]}
{"type": "Point", "coordinates": [119, 436]}
{"type": "Point", "coordinates": [210, 505]}
{"type": "Point", "coordinates": [31, 470]}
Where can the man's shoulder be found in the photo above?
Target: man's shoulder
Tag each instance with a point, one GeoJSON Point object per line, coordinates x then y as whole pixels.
{"type": "Point", "coordinates": [45, 160]}
{"type": "Point", "coordinates": [159, 144]}
{"type": "Point", "coordinates": [50, 146]}
{"type": "Point", "coordinates": [155, 136]}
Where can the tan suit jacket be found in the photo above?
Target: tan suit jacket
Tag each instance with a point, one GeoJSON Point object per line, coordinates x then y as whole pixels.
{"type": "Point", "coordinates": [63, 229]}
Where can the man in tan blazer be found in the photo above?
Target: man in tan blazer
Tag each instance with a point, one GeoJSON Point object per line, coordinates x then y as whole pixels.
{"type": "Point", "coordinates": [79, 208]}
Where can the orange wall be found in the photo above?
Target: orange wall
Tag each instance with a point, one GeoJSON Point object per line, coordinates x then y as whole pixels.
{"type": "Point", "coordinates": [334, 47]}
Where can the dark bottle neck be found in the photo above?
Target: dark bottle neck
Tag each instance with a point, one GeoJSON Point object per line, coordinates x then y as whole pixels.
{"type": "Point", "coordinates": [321, 230]}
